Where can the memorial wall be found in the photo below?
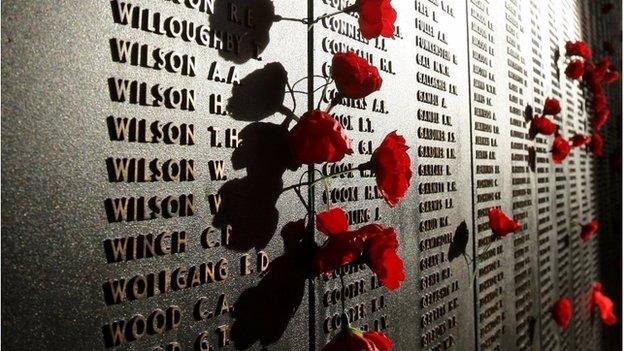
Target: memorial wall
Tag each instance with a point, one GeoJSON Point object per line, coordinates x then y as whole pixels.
{"type": "Point", "coordinates": [152, 199]}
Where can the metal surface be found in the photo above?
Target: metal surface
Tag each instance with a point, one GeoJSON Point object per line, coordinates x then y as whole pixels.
{"type": "Point", "coordinates": [457, 76]}
{"type": "Point", "coordinates": [57, 60]}
{"type": "Point", "coordinates": [434, 306]}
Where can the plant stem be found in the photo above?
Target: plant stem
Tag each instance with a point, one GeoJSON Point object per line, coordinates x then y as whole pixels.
{"type": "Point", "coordinates": [288, 113]}
{"type": "Point", "coordinates": [301, 199]}
{"type": "Point", "coordinates": [335, 101]}
{"type": "Point", "coordinates": [323, 17]}
{"type": "Point", "coordinates": [299, 81]}
{"type": "Point", "coordinates": [304, 78]}
{"type": "Point", "coordinates": [321, 179]}
{"type": "Point", "coordinates": [292, 95]}
{"type": "Point", "coordinates": [351, 170]}
{"type": "Point", "coordinates": [324, 86]}
{"type": "Point", "coordinates": [278, 18]}
{"type": "Point", "coordinates": [327, 83]}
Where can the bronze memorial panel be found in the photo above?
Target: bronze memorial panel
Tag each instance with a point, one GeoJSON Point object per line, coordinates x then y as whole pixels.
{"type": "Point", "coordinates": [150, 190]}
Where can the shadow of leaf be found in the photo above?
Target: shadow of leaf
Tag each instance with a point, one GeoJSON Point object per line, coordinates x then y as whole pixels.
{"type": "Point", "coordinates": [248, 203]}
{"type": "Point", "coordinates": [260, 94]}
{"type": "Point", "coordinates": [262, 313]}
{"type": "Point", "coordinates": [460, 241]}
{"type": "Point", "coordinates": [528, 113]}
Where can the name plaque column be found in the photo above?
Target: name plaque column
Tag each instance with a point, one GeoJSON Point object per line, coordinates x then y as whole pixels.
{"type": "Point", "coordinates": [541, 58]}
{"type": "Point", "coordinates": [424, 98]}
{"type": "Point", "coordinates": [492, 169]}
{"type": "Point", "coordinates": [366, 121]}
{"type": "Point", "coordinates": [563, 172]}
{"type": "Point", "coordinates": [442, 189]}
{"type": "Point", "coordinates": [166, 117]}
{"type": "Point", "coordinates": [524, 208]}
{"type": "Point", "coordinates": [583, 270]}
{"type": "Point", "coordinates": [576, 120]}
{"type": "Point", "coordinates": [240, 230]}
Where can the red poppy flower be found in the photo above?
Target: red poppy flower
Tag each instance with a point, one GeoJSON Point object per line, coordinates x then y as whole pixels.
{"type": "Point", "coordinates": [596, 74]}
{"type": "Point", "coordinates": [608, 7]}
{"type": "Point", "coordinates": [375, 244]}
{"type": "Point", "coordinates": [575, 69]}
{"type": "Point", "coordinates": [351, 339]}
{"type": "Point", "coordinates": [381, 250]}
{"type": "Point", "coordinates": [342, 247]}
{"type": "Point", "coordinates": [354, 76]}
{"type": "Point", "coordinates": [594, 82]}
{"type": "Point", "coordinates": [339, 250]}
{"type": "Point", "coordinates": [588, 230]}
{"type": "Point", "coordinates": [318, 138]}
{"type": "Point", "coordinates": [332, 222]}
{"type": "Point", "coordinates": [380, 340]}
{"type": "Point", "coordinates": [579, 48]}
{"type": "Point", "coordinates": [562, 312]}
{"type": "Point", "coordinates": [392, 167]}
{"type": "Point", "coordinates": [604, 65]}
{"type": "Point", "coordinates": [542, 125]}
{"type": "Point", "coordinates": [608, 47]}
{"type": "Point", "coordinates": [596, 144]}
{"type": "Point", "coordinates": [376, 17]}
{"type": "Point", "coordinates": [600, 118]}
{"type": "Point", "coordinates": [500, 224]}
{"type": "Point", "coordinates": [560, 149]}
{"type": "Point", "coordinates": [580, 140]}
{"type": "Point", "coordinates": [605, 305]}
{"type": "Point", "coordinates": [611, 76]}
{"type": "Point", "coordinates": [599, 102]}
{"type": "Point", "coordinates": [551, 106]}
{"type": "Point", "coordinates": [594, 78]}
{"type": "Point", "coordinates": [589, 68]}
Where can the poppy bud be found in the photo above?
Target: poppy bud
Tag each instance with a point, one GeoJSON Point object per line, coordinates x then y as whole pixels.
{"type": "Point", "coordinates": [562, 312]}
